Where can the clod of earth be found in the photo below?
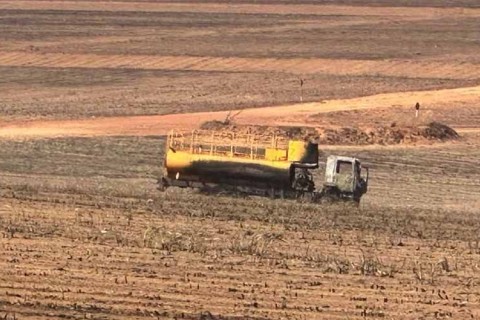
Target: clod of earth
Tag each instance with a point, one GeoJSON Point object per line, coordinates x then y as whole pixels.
{"type": "Point", "coordinates": [436, 130]}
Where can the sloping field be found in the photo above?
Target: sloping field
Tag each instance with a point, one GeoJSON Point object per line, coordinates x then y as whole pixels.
{"type": "Point", "coordinates": [78, 59]}
{"type": "Point", "coordinates": [408, 69]}
{"type": "Point", "coordinates": [299, 114]}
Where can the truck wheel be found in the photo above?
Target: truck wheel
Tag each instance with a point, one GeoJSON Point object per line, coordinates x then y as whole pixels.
{"type": "Point", "coordinates": [162, 184]}
{"type": "Point", "coordinates": [327, 199]}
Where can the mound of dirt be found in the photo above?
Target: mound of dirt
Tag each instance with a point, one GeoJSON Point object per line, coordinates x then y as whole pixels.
{"type": "Point", "coordinates": [384, 135]}
{"type": "Point", "coordinates": [214, 125]}
{"type": "Point", "coordinates": [290, 132]}
{"type": "Point", "coordinates": [388, 135]}
{"type": "Point", "coordinates": [437, 130]}
{"type": "Point", "coordinates": [378, 135]}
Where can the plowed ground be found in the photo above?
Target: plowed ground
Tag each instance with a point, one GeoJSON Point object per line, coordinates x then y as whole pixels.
{"type": "Point", "coordinates": [78, 59]}
{"type": "Point", "coordinates": [89, 88]}
{"type": "Point", "coordinates": [86, 234]}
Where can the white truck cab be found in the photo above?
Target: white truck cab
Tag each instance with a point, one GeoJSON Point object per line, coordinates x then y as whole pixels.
{"type": "Point", "coordinates": [344, 179]}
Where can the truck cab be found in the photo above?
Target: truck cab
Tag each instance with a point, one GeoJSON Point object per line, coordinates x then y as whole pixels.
{"type": "Point", "coordinates": [344, 179]}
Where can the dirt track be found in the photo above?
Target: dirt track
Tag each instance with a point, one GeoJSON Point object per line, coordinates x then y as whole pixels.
{"type": "Point", "coordinates": [282, 115]}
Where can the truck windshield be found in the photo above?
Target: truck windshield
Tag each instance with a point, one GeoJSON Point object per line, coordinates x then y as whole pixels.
{"type": "Point", "coordinates": [344, 167]}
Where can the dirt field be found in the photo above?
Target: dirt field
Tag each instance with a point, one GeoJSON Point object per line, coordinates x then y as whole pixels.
{"type": "Point", "coordinates": [382, 109]}
{"type": "Point", "coordinates": [85, 234]}
{"type": "Point", "coordinates": [77, 59]}
{"type": "Point", "coordinates": [88, 90]}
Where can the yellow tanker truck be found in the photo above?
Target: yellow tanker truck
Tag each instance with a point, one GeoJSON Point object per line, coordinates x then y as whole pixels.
{"type": "Point", "coordinates": [258, 164]}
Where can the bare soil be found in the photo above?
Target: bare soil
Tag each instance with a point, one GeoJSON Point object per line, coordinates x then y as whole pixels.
{"type": "Point", "coordinates": [89, 88]}
{"type": "Point", "coordinates": [324, 114]}
{"type": "Point", "coordinates": [78, 59]}
{"type": "Point", "coordinates": [85, 234]}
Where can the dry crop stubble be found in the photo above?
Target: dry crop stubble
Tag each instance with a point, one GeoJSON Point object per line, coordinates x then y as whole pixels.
{"type": "Point", "coordinates": [347, 258]}
{"type": "Point", "coordinates": [264, 258]}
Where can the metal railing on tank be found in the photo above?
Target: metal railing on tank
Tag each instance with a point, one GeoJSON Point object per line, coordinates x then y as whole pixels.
{"type": "Point", "coordinates": [225, 143]}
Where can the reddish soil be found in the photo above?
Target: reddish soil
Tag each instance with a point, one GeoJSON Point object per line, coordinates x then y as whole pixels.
{"type": "Point", "coordinates": [298, 114]}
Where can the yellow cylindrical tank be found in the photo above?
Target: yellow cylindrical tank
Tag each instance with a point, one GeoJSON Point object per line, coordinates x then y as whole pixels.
{"type": "Point", "coordinates": [233, 159]}
{"type": "Point", "coordinates": [182, 165]}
